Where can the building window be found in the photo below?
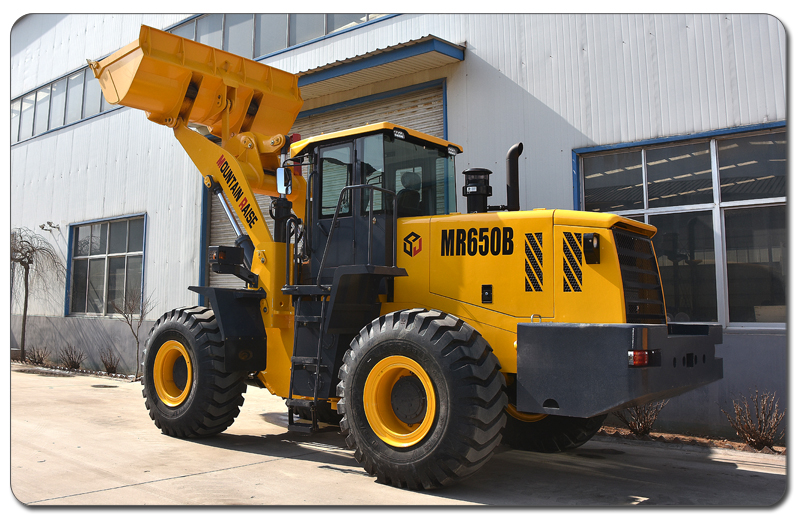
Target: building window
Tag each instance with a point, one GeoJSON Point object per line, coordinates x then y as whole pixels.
{"type": "Point", "coordinates": [78, 96]}
{"type": "Point", "coordinates": [106, 265]}
{"type": "Point", "coordinates": [304, 27]}
{"type": "Point", "coordinates": [257, 35]}
{"type": "Point", "coordinates": [272, 33]}
{"type": "Point", "coordinates": [720, 208]}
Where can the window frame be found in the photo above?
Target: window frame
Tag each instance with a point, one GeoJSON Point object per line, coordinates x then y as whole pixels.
{"type": "Point", "coordinates": [71, 257]}
{"type": "Point", "coordinates": [717, 206]}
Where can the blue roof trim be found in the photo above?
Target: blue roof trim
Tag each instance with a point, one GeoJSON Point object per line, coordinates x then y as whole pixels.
{"type": "Point", "coordinates": [383, 58]}
{"type": "Point", "coordinates": [678, 138]}
{"type": "Point", "coordinates": [576, 177]}
{"type": "Point", "coordinates": [369, 98]}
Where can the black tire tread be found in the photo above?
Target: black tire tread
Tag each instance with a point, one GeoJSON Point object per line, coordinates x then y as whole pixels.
{"type": "Point", "coordinates": [219, 394]}
{"type": "Point", "coordinates": [477, 405]}
{"type": "Point", "coordinates": [553, 434]}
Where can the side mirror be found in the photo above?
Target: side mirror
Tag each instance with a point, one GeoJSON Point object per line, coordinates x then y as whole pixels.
{"type": "Point", "coordinates": [284, 178]}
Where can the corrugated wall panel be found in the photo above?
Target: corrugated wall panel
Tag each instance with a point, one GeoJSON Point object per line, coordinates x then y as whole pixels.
{"type": "Point", "coordinates": [45, 46]}
{"type": "Point", "coordinates": [96, 171]}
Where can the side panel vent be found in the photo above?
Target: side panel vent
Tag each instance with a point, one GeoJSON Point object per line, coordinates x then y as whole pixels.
{"type": "Point", "coordinates": [644, 301]}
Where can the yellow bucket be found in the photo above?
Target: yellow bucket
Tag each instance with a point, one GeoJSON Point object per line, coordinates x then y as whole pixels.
{"type": "Point", "coordinates": [157, 72]}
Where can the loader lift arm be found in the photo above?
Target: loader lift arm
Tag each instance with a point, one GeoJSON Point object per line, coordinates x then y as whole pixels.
{"type": "Point", "coordinates": [248, 105]}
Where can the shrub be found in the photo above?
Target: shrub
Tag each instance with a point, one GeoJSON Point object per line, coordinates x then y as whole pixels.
{"type": "Point", "coordinates": [758, 429]}
{"type": "Point", "coordinates": [38, 355]}
{"type": "Point", "coordinates": [640, 418]}
{"type": "Point", "coordinates": [71, 357]}
{"type": "Point", "coordinates": [109, 359]}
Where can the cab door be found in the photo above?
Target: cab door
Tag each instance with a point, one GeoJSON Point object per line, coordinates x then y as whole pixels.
{"type": "Point", "coordinates": [335, 166]}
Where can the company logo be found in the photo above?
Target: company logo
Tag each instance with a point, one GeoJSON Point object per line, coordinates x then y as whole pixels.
{"type": "Point", "coordinates": [412, 244]}
{"type": "Point", "coordinates": [248, 212]}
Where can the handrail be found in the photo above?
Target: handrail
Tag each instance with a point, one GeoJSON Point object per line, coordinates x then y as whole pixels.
{"type": "Point", "coordinates": [371, 188]}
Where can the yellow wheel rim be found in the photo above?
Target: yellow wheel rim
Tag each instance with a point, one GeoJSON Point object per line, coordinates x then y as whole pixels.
{"type": "Point", "coordinates": [169, 364]}
{"type": "Point", "coordinates": [378, 402]}
{"type": "Point", "coordinates": [522, 416]}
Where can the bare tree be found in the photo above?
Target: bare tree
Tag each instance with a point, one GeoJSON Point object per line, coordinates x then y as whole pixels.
{"type": "Point", "coordinates": [33, 262]}
{"type": "Point", "coordinates": [134, 309]}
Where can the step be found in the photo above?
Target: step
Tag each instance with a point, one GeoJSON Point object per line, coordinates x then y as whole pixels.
{"type": "Point", "coordinates": [306, 289]}
{"type": "Point", "coordinates": [301, 428]}
{"type": "Point", "coordinates": [300, 403]}
{"type": "Point", "coordinates": [307, 361]}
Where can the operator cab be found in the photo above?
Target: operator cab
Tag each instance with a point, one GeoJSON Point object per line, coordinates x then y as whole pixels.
{"type": "Point", "coordinates": [384, 163]}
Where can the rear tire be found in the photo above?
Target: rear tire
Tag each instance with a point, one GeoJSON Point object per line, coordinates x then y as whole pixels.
{"type": "Point", "coordinates": [551, 434]}
{"type": "Point", "coordinates": [186, 389]}
{"type": "Point", "coordinates": [422, 399]}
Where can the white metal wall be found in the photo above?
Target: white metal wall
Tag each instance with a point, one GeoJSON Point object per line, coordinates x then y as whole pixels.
{"type": "Point", "coordinates": [46, 46]}
{"type": "Point", "coordinates": [558, 82]}
{"type": "Point", "coordinates": [114, 165]}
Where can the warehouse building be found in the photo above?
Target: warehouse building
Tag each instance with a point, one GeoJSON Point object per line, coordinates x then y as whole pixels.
{"type": "Point", "coordinates": [675, 120]}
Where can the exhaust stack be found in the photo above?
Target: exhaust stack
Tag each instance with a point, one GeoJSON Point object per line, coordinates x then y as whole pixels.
{"type": "Point", "coordinates": [512, 177]}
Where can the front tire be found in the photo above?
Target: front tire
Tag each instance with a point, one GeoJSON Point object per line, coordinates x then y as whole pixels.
{"type": "Point", "coordinates": [422, 399]}
{"type": "Point", "coordinates": [185, 388]}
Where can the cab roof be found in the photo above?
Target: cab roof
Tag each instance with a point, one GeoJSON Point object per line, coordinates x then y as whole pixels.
{"type": "Point", "coordinates": [299, 146]}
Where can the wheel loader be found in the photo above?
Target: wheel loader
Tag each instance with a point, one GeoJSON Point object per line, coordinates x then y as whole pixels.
{"type": "Point", "coordinates": [428, 335]}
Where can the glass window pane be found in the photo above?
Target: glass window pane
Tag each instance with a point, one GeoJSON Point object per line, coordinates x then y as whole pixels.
{"type": "Point", "coordinates": [74, 97]}
{"type": "Point", "coordinates": [133, 289]}
{"type": "Point", "coordinates": [58, 103]}
{"type": "Point", "coordinates": [372, 169]}
{"type": "Point", "coordinates": [116, 284]}
{"type": "Point", "coordinates": [15, 120]}
{"type": "Point", "coordinates": [753, 167]}
{"type": "Point", "coordinates": [343, 21]}
{"type": "Point", "coordinates": [91, 99]}
{"type": "Point", "coordinates": [83, 236]}
{"type": "Point", "coordinates": [42, 110]}
{"type": "Point", "coordinates": [679, 175]}
{"type": "Point", "coordinates": [209, 30]}
{"type": "Point", "coordinates": [336, 166]}
{"type": "Point", "coordinates": [80, 271]}
{"type": "Point", "coordinates": [99, 237]}
{"type": "Point", "coordinates": [239, 34]}
{"type": "Point", "coordinates": [270, 33]}
{"type": "Point", "coordinates": [185, 31]}
{"type": "Point", "coordinates": [118, 237]}
{"type": "Point", "coordinates": [97, 274]}
{"type": "Point", "coordinates": [684, 247]}
{"type": "Point", "coordinates": [613, 182]}
{"type": "Point", "coordinates": [26, 122]}
{"type": "Point", "coordinates": [756, 247]}
{"type": "Point", "coordinates": [136, 235]}
{"type": "Point", "coordinates": [304, 27]}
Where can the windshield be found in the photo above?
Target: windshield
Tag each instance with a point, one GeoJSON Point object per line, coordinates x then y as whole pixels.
{"type": "Point", "coordinates": [423, 176]}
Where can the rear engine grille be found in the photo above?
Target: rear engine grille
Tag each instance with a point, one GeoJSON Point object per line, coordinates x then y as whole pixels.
{"type": "Point", "coordinates": [644, 301]}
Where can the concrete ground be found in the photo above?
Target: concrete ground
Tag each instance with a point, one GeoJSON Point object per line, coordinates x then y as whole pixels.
{"type": "Point", "coordinates": [87, 440]}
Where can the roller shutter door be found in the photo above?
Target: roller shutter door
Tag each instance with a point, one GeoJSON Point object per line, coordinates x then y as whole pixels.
{"type": "Point", "coordinates": [422, 110]}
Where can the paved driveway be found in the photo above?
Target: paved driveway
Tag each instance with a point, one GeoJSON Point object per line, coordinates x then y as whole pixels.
{"type": "Point", "coordinates": [86, 440]}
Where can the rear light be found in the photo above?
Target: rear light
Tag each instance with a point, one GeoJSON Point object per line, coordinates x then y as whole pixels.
{"type": "Point", "coordinates": [644, 358]}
